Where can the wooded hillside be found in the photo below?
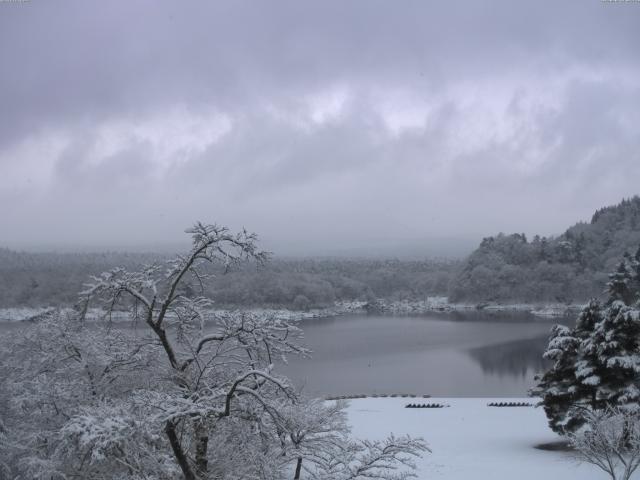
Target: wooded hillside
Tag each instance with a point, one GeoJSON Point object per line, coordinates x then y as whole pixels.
{"type": "Point", "coordinates": [49, 279]}
{"type": "Point", "coordinates": [569, 268]}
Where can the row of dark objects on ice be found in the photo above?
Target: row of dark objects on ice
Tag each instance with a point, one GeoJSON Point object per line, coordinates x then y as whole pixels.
{"type": "Point", "coordinates": [373, 395]}
{"type": "Point", "coordinates": [492, 404]}
{"type": "Point", "coordinates": [425, 405]}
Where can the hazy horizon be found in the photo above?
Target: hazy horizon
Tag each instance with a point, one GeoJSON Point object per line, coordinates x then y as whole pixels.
{"type": "Point", "coordinates": [452, 248]}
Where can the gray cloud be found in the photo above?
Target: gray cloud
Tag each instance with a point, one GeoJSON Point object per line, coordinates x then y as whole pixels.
{"type": "Point", "coordinates": [323, 125]}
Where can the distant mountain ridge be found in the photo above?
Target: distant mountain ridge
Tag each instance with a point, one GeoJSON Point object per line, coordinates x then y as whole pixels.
{"type": "Point", "coordinates": [569, 268]}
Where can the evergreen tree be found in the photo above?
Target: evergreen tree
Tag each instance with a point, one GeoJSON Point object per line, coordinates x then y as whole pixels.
{"type": "Point", "coordinates": [616, 341]}
{"type": "Point", "coordinates": [620, 286]}
{"type": "Point", "coordinates": [634, 263]}
{"type": "Point", "coordinates": [556, 386]}
{"type": "Point", "coordinates": [587, 370]}
{"type": "Point", "coordinates": [568, 386]}
{"type": "Point", "coordinates": [596, 363]}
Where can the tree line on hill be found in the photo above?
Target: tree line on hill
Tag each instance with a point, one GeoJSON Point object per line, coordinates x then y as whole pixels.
{"type": "Point", "coordinates": [572, 267]}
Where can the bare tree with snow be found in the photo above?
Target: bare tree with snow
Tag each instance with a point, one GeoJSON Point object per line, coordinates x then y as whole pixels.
{"type": "Point", "coordinates": [610, 440]}
{"type": "Point", "coordinates": [322, 449]}
{"type": "Point", "coordinates": [181, 391]}
{"type": "Point", "coordinates": [207, 376]}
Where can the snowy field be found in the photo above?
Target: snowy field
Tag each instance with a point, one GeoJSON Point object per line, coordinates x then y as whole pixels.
{"type": "Point", "coordinates": [471, 441]}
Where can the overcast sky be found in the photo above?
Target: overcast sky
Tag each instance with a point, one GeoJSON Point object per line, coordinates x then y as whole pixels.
{"type": "Point", "coordinates": [323, 126]}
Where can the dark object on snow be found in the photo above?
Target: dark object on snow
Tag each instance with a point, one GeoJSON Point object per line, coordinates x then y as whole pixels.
{"type": "Point", "coordinates": [559, 446]}
{"type": "Point", "coordinates": [425, 405]}
{"type": "Point", "coordinates": [509, 404]}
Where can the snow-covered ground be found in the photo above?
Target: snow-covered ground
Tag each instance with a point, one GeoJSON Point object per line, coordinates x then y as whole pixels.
{"type": "Point", "coordinates": [471, 441]}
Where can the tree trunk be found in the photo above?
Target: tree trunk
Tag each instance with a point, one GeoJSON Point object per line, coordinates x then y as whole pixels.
{"type": "Point", "coordinates": [162, 335]}
{"type": "Point", "coordinates": [202, 444]}
{"type": "Point", "coordinates": [181, 458]}
{"type": "Point", "coordinates": [298, 469]}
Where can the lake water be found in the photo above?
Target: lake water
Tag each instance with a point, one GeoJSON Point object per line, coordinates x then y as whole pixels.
{"type": "Point", "coordinates": [469, 354]}
{"type": "Point", "coordinates": [455, 354]}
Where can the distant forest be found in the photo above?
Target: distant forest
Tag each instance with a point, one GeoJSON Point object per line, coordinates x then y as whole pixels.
{"type": "Point", "coordinates": [571, 267]}
{"type": "Point", "coordinates": [48, 279]}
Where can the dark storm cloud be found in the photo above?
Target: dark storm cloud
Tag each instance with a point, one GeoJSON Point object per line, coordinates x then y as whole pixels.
{"type": "Point", "coordinates": [321, 124]}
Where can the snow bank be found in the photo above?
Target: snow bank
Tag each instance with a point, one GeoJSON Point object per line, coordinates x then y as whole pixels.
{"type": "Point", "coordinates": [441, 304]}
{"type": "Point", "coordinates": [339, 308]}
{"type": "Point", "coordinates": [404, 307]}
{"type": "Point", "coordinates": [471, 441]}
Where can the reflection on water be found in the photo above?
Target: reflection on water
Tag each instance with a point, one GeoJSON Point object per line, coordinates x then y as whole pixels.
{"type": "Point", "coordinates": [517, 359]}
{"type": "Point", "coordinates": [488, 316]}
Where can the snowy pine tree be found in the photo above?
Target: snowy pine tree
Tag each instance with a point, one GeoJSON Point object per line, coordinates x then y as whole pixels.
{"type": "Point", "coordinates": [568, 384]}
{"type": "Point", "coordinates": [596, 363]}
{"type": "Point", "coordinates": [616, 342]}
{"type": "Point", "coordinates": [620, 286]}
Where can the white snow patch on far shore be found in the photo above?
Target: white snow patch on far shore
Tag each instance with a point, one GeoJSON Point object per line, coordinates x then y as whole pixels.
{"type": "Point", "coordinates": [403, 307]}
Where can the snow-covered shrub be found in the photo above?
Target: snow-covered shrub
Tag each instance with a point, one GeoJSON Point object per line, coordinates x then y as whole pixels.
{"type": "Point", "coordinates": [610, 440]}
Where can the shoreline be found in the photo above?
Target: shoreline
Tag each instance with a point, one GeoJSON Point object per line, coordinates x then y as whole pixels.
{"type": "Point", "coordinates": [379, 306]}
{"type": "Point", "coordinates": [441, 304]}
{"type": "Point", "coordinates": [31, 314]}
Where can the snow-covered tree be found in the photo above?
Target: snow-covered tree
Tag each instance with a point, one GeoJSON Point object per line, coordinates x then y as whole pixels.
{"type": "Point", "coordinates": [378, 459]}
{"type": "Point", "coordinates": [558, 387]}
{"type": "Point", "coordinates": [206, 376]}
{"type": "Point", "coordinates": [321, 447]}
{"type": "Point", "coordinates": [621, 284]}
{"type": "Point", "coordinates": [316, 431]}
{"type": "Point", "coordinates": [596, 363]}
{"type": "Point", "coordinates": [5, 469]}
{"type": "Point", "coordinates": [610, 440]}
{"type": "Point", "coordinates": [615, 343]}
{"type": "Point", "coordinates": [180, 392]}
{"type": "Point", "coordinates": [56, 369]}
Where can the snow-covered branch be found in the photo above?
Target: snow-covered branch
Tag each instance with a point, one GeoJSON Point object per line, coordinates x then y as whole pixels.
{"type": "Point", "coordinates": [610, 440]}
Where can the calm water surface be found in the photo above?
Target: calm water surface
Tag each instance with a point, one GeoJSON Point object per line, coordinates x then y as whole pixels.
{"type": "Point", "coordinates": [470, 354]}
{"type": "Point", "coordinates": [442, 355]}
